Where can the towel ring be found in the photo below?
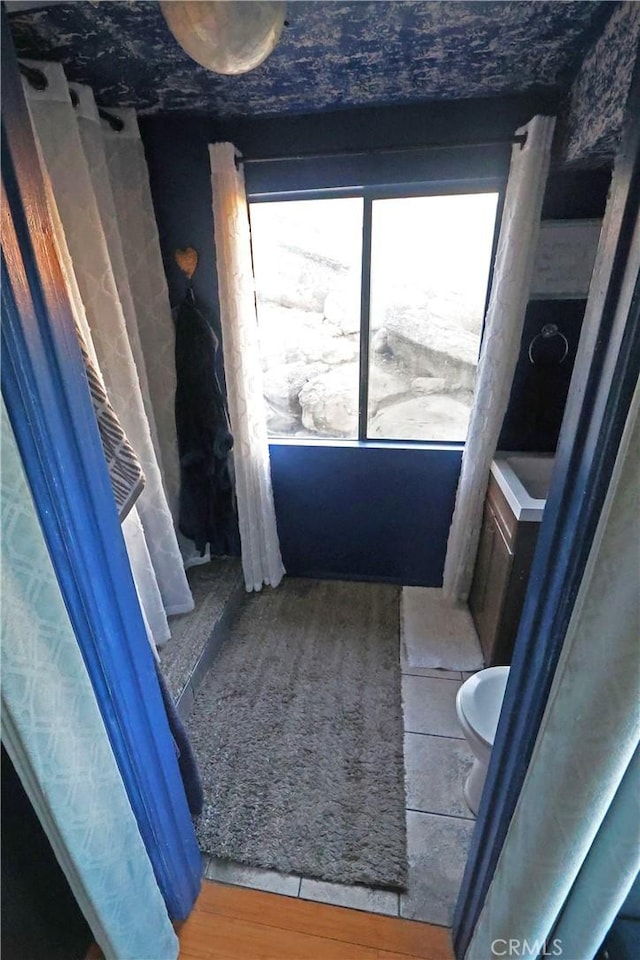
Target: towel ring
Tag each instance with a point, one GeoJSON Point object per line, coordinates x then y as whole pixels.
{"type": "Point", "coordinates": [548, 332]}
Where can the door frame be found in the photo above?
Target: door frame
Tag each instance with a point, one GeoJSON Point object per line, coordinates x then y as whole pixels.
{"type": "Point", "coordinates": [605, 374]}
{"type": "Point", "coordinates": [45, 390]}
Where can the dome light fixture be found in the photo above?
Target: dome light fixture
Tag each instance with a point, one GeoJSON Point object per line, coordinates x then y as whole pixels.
{"type": "Point", "coordinates": [226, 36]}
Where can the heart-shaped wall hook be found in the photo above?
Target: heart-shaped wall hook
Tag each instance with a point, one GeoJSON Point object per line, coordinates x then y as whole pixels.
{"type": "Point", "coordinates": [187, 260]}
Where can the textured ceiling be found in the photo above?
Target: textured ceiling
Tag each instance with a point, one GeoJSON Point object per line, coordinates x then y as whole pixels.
{"type": "Point", "coordinates": [331, 55]}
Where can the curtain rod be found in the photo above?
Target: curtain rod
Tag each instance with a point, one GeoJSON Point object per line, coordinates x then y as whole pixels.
{"type": "Point", "coordinates": [520, 138]}
{"type": "Point", "coordinates": [38, 80]}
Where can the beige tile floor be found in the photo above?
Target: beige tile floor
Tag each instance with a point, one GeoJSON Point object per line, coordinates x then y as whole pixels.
{"type": "Point", "coordinates": [439, 824]}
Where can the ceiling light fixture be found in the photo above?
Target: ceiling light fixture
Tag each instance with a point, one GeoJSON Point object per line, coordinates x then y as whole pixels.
{"type": "Point", "coordinates": [226, 36]}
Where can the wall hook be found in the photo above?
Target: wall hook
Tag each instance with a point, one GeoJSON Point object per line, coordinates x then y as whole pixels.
{"type": "Point", "coordinates": [187, 260]}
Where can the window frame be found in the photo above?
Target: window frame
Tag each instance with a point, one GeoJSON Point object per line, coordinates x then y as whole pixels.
{"type": "Point", "coordinates": [369, 194]}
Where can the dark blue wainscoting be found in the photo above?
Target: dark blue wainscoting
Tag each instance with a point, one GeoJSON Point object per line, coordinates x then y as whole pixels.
{"type": "Point", "coordinates": [364, 511]}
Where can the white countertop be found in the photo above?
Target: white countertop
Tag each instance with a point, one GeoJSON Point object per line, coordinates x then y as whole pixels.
{"type": "Point", "coordinates": [524, 479]}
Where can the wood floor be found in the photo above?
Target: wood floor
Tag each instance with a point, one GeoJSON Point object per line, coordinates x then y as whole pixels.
{"type": "Point", "coordinates": [234, 923]}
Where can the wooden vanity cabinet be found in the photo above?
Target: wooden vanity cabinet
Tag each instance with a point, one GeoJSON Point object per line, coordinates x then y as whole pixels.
{"type": "Point", "coordinates": [503, 564]}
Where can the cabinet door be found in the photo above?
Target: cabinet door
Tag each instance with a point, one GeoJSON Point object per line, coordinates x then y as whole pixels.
{"type": "Point", "coordinates": [490, 583]}
{"type": "Point", "coordinates": [477, 594]}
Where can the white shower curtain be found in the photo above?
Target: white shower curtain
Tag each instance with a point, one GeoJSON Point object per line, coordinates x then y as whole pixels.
{"type": "Point", "coordinates": [261, 560]}
{"type": "Point", "coordinates": [138, 230]}
{"type": "Point", "coordinates": [500, 347]}
{"type": "Point", "coordinates": [72, 151]}
{"type": "Point", "coordinates": [129, 179]}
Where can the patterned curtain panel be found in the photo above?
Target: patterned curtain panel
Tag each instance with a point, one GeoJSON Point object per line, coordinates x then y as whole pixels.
{"type": "Point", "coordinates": [500, 347]}
{"type": "Point", "coordinates": [610, 870]}
{"type": "Point", "coordinates": [82, 203]}
{"type": "Point", "coordinates": [125, 472]}
{"type": "Point", "coordinates": [138, 231]}
{"type": "Point", "coordinates": [571, 853]}
{"type": "Point", "coordinates": [261, 560]}
{"type": "Point", "coordinates": [54, 734]}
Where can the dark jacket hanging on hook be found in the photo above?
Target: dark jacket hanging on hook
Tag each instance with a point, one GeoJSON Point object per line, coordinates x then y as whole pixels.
{"type": "Point", "coordinates": [207, 502]}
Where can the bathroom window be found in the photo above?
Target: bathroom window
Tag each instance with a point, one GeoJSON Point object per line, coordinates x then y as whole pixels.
{"type": "Point", "coordinates": [370, 310]}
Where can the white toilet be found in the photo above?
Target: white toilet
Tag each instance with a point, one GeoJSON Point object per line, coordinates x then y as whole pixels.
{"type": "Point", "coordinates": [478, 706]}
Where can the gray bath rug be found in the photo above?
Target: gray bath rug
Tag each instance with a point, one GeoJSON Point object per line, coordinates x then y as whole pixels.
{"type": "Point", "coordinates": [435, 634]}
{"type": "Point", "coordinates": [299, 735]}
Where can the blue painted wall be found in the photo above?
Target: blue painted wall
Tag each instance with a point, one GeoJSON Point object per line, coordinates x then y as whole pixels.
{"type": "Point", "coordinates": [367, 511]}
{"type": "Point", "coordinates": [539, 392]}
{"type": "Point", "coordinates": [358, 511]}
{"type": "Point", "coordinates": [345, 511]}
{"type": "Point", "coordinates": [177, 154]}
